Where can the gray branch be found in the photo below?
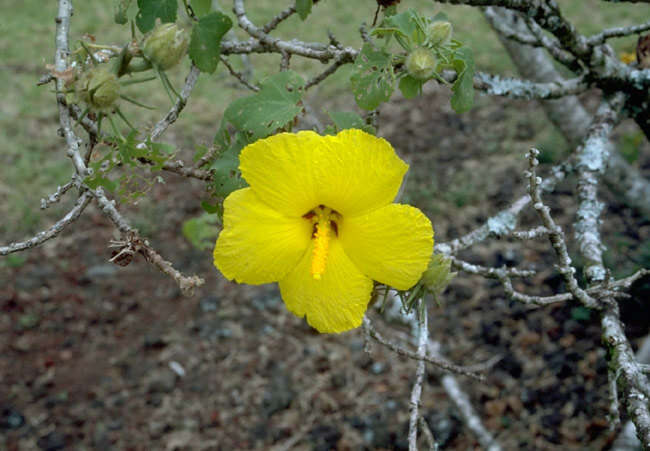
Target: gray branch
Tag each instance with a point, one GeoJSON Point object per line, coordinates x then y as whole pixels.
{"type": "Point", "coordinates": [568, 114]}
{"type": "Point", "coordinates": [171, 116]}
{"type": "Point", "coordinates": [464, 406]}
{"type": "Point", "coordinates": [593, 157]}
{"type": "Point", "coordinates": [444, 364]}
{"type": "Point", "coordinates": [42, 237]}
{"type": "Point", "coordinates": [528, 90]}
{"type": "Point", "coordinates": [416, 392]}
{"type": "Point", "coordinates": [617, 32]}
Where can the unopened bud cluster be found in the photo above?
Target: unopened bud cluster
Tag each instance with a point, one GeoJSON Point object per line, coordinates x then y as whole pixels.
{"type": "Point", "coordinates": [439, 33]}
{"type": "Point", "coordinates": [166, 45]}
{"type": "Point", "coordinates": [98, 87]}
{"type": "Point", "coordinates": [421, 63]}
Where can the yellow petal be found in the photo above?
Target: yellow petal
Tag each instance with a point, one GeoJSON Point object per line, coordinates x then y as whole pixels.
{"type": "Point", "coordinates": [391, 245]}
{"type": "Point", "coordinates": [336, 302]}
{"type": "Point", "coordinates": [258, 244]}
{"type": "Point", "coordinates": [351, 172]}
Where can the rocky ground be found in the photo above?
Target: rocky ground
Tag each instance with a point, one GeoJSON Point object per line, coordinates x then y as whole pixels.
{"type": "Point", "coordinates": [96, 356]}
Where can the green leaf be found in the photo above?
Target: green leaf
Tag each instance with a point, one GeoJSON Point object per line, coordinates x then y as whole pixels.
{"type": "Point", "coordinates": [205, 44]}
{"type": "Point", "coordinates": [374, 80]}
{"type": "Point", "coordinates": [303, 8]}
{"type": "Point", "coordinates": [273, 107]}
{"type": "Point", "coordinates": [97, 180]}
{"type": "Point", "coordinates": [121, 8]}
{"type": "Point", "coordinates": [347, 119]}
{"type": "Point", "coordinates": [410, 86]}
{"type": "Point", "coordinates": [201, 231]}
{"type": "Point", "coordinates": [209, 208]}
{"type": "Point", "coordinates": [404, 23]}
{"type": "Point", "coordinates": [201, 7]}
{"type": "Point", "coordinates": [390, 10]}
{"type": "Point", "coordinates": [227, 177]}
{"type": "Point", "coordinates": [150, 10]}
{"type": "Point", "coordinates": [463, 88]}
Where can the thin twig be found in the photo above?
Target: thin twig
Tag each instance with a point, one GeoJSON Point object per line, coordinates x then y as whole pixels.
{"type": "Point", "coordinates": [171, 116]}
{"type": "Point", "coordinates": [416, 392]}
{"type": "Point", "coordinates": [428, 435]}
{"type": "Point", "coordinates": [238, 75]}
{"type": "Point", "coordinates": [556, 235]}
{"type": "Point", "coordinates": [440, 363]}
{"type": "Point", "coordinates": [56, 196]}
{"type": "Point", "coordinates": [278, 19]}
{"type": "Point", "coordinates": [617, 32]}
{"type": "Point", "coordinates": [54, 230]}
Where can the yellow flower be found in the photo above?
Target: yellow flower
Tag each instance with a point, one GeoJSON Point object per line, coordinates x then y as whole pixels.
{"type": "Point", "coordinates": [627, 57]}
{"type": "Point", "coordinates": [318, 219]}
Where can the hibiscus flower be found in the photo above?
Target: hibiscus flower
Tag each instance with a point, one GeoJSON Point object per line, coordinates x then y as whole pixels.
{"type": "Point", "coordinates": [318, 218]}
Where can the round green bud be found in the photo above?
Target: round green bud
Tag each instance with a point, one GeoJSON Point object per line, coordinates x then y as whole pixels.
{"type": "Point", "coordinates": [438, 274]}
{"type": "Point", "coordinates": [439, 33]}
{"type": "Point", "coordinates": [421, 63]}
{"type": "Point", "coordinates": [166, 45]}
{"type": "Point", "coordinates": [99, 88]}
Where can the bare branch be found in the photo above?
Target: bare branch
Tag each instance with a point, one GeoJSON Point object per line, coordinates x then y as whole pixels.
{"type": "Point", "coordinates": [592, 162]}
{"type": "Point", "coordinates": [630, 377]}
{"type": "Point", "coordinates": [462, 402]}
{"type": "Point", "coordinates": [568, 114]}
{"type": "Point", "coordinates": [56, 196]}
{"type": "Point", "coordinates": [556, 235]}
{"type": "Point", "coordinates": [614, 414]}
{"type": "Point", "coordinates": [266, 42]}
{"type": "Point", "coordinates": [171, 116]}
{"type": "Point", "coordinates": [416, 392]}
{"type": "Point", "coordinates": [440, 363]}
{"type": "Point", "coordinates": [617, 32]}
{"type": "Point", "coordinates": [279, 18]}
{"type": "Point", "coordinates": [504, 222]}
{"type": "Point", "coordinates": [428, 435]}
{"type": "Point", "coordinates": [185, 283]}
{"type": "Point", "coordinates": [525, 235]}
{"type": "Point", "coordinates": [41, 237]}
{"type": "Point", "coordinates": [238, 75]}
{"type": "Point", "coordinates": [179, 168]}
{"type": "Point", "coordinates": [528, 90]}
{"type": "Point", "coordinates": [60, 65]}
{"type": "Point", "coordinates": [552, 46]}
{"type": "Point", "coordinates": [326, 73]}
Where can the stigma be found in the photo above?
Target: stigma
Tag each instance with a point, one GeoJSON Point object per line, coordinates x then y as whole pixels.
{"type": "Point", "coordinates": [325, 228]}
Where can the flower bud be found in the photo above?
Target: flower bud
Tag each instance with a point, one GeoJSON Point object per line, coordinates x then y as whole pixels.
{"type": "Point", "coordinates": [439, 33]}
{"type": "Point", "coordinates": [166, 45]}
{"type": "Point", "coordinates": [421, 63]}
{"type": "Point", "coordinates": [99, 88]}
{"type": "Point", "coordinates": [438, 274]}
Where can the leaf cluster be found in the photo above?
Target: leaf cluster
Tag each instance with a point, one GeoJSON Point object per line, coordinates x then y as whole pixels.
{"type": "Point", "coordinates": [379, 68]}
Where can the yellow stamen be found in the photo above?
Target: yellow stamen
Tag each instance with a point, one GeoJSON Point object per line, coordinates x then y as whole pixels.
{"type": "Point", "coordinates": [321, 242]}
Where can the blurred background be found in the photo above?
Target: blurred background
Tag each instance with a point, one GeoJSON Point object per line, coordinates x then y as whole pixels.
{"type": "Point", "coordinates": [96, 356]}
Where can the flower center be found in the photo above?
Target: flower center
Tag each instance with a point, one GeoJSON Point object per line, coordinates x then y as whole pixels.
{"type": "Point", "coordinates": [324, 220]}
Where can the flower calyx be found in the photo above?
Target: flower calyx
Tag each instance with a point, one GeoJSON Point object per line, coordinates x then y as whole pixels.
{"type": "Point", "coordinates": [421, 63]}
{"type": "Point", "coordinates": [99, 88]}
{"type": "Point", "coordinates": [439, 33]}
{"type": "Point", "coordinates": [165, 46]}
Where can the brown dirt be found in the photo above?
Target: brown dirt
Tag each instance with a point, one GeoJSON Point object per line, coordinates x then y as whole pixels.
{"type": "Point", "coordinates": [86, 347]}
